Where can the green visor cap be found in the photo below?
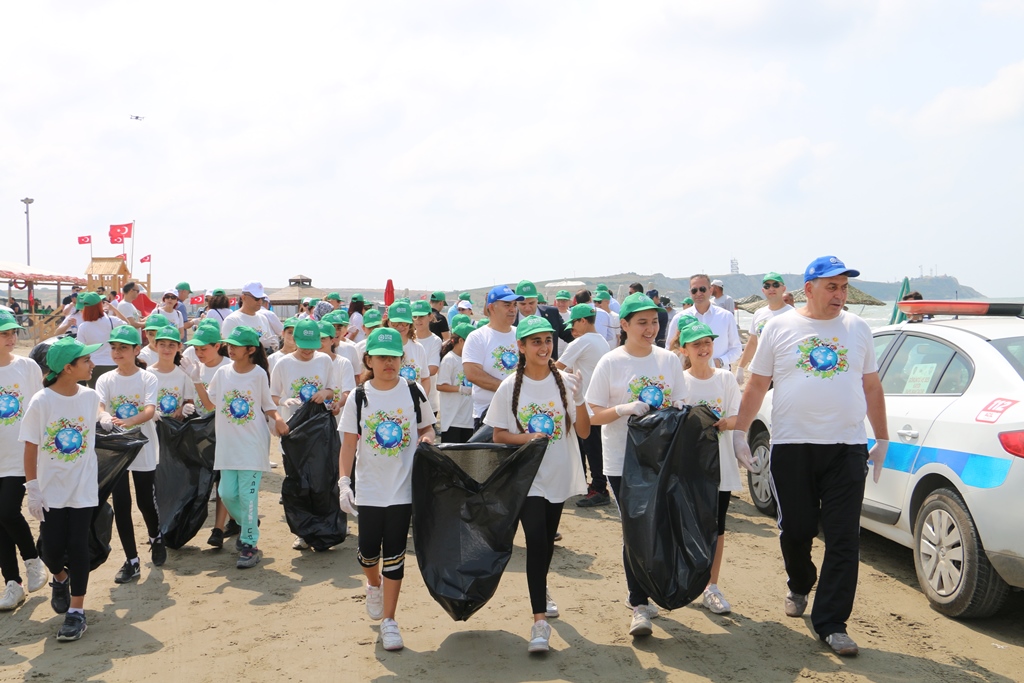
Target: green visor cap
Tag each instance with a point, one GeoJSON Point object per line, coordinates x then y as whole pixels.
{"type": "Point", "coordinates": [333, 296]}
{"type": "Point", "coordinates": [371, 318]}
{"type": "Point", "coordinates": [460, 318]}
{"type": "Point", "coordinates": [384, 342]}
{"type": "Point", "coordinates": [400, 312]}
{"type": "Point", "coordinates": [156, 321]}
{"type": "Point", "coordinates": [482, 322]}
{"type": "Point", "coordinates": [635, 302]}
{"type": "Point", "coordinates": [687, 301]}
{"type": "Point", "coordinates": [602, 295]}
{"type": "Point", "coordinates": [578, 312]}
{"type": "Point", "coordinates": [218, 292]}
{"type": "Point", "coordinates": [168, 332]}
{"type": "Point", "coordinates": [421, 308]}
{"type": "Point", "coordinates": [8, 322]}
{"type": "Point", "coordinates": [465, 297]}
{"type": "Point", "coordinates": [66, 350]}
{"type": "Point", "coordinates": [205, 334]}
{"type": "Point", "coordinates": [125, 334]}
{"type": "Point", "coordinates": [694, 332]}
{"type": "Point", "coordinates": [290, 322]}
{"type": "Point", "coordinates": [184, 285]}
{"type": "Point", "coordinates": [526, 289]}
{"type": "Point", "coordinates": [602, 287]}
{"type": "Point", "coordinates": [335, 318]}
{"type": "Point", "coordinates": [314, 302]}
{"type": "Point", "coordinates": [772, 277]}
{"type": "Point", "coordinates": [307, 334]}
{"type": "Point", "coordinates": [540, 298]}
{"type": "Point", "coordinates": [358, 297]}
{"type": "Point", "coordinates": [438, 296]}
{"type": "Point", "coordinates": [327, 330]}
{"type": "Point", "coordinates": [563, 294]}
{"type": "Point", "coordinates": [89, 299]}
{"type": "Point", "coordinates": [210, 322]}
{"type": "Point", "coordinates": [533, 324]}
{"type": "Point", "coordinates": [243, 335]}
{"type": "Point", "coordinates": [462, 330]}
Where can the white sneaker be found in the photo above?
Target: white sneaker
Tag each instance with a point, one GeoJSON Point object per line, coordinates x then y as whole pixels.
{"type": "Point", "coordinates": [551, 610]}
{"type": "Point", "coordinates": [390, 636]}
{"type": "Point", "coordinates": [37, 574]}
{"type": "Point", "coordinates": [641, 624]}
{"type": "Point", "coordinates": [375, 601]}
{"type": "Point", "coordinates": [14, 595]}
{"type": "Point", "coordinates": [540, 634]}
{"type": "Point", "coordinates": [715, 601]}
{"type": "Point", "coordinates": [299, 544]}
{"type": "Point", "coordinates": [652, 610]}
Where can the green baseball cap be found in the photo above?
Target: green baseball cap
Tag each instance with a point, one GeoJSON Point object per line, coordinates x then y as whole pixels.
{"type": "Point", "coordinates": [438, 296]}
{"type": "Point", "coordinates": [540, 298]}
{"type": "Point", "coordinates": [372, 318]}
{"type": "Point", "coordinates": [125, 334]}
{"type": "Point", "coordinates": [526, 289]}
{"type": "Point", "coordinates": [578, 312]}
{"type": "Point", "coordinates": [290, 322]}
{"type": "Point", "coordinates": [184, 285]}
{"type": "Point", "coordinates": [602, 287]}
{"type": "Point", "coordinates": [460, 318]}
{"type": "Point", "coordinates": [482, 322]}
{"type": "Point", "coordinates": [563, 294]}
{"type": "Point", "coordinates": [327, 329]}
{"type": "Point", "coordinates": [463, 329]}
{"type": "Point", "coordinates": [314, 302]}
{"type": "Point", "coordinates": [89, 299]}
{"type": "Point", "coordinates": [168, 332]}
{"type": "Point", "coordinates": [205, 334]}
{"type": "Point", "coordinates": [335, 318]}
{"type": "Point", "coordinates": [384, 342]}
{"type": "Point", "coordinates": [155, 321]}
{"type": "Point", "coordinates": [400, 312]}
{"type": "Point", "coordinates": [333, 296]}
{"type": "Point", "coordinates": [307, 334]}
{"type": "Point", "coordinates": [8, 322]}
{"type": "Point", "coordinates": [532, 324]}
{"type": "Point", "coordinates": [685, 322]}
{"type": "Point", "coordinates": [210, 322]}
{"type": "Point", "coordinates": [687, 301]}
{"type": "Point", "coordinates": [602, 295]}
{"type": "Point", "coordinates": [243, 335]}
{"type": "Point", "coordinates": [772, 276]}
{"type": "Point", "coordinates": [358, 297]}
{"type": "Point", "coordinates": [465, 297]}
{"type": "Point", "coordinates": [218, 292]}
{"type": "Point", "coordinates": [421, 308]}
{"type": "Point", "coordinates": [635, 302]}
{"type": "Point", "coordinates": [693, 332]}
{"type": "Point", "coordinates": [66, 350]}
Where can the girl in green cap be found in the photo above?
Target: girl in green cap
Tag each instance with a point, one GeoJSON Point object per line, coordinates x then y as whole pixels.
{"type": "Point", "coordinates": [59, 432]}
{"type": "Point", "coordinates": [128, 398]}
{"type": "Point", "coordinates": [540, 402]}
{"type": "Point", "coordinates": [414, 365]}
{"type": "Point", "coordinates": [456, 392]}
{"type": "Point", "coordinates": [431, 343]}
{"type": "Point", "coordinates": [356, 309]}
{"type": "Point", "coordinates": [175, 389]}
{"type": "Point", "coordinates": [95, 328]}
{"type": "Point", "coordinates": [344, 373]}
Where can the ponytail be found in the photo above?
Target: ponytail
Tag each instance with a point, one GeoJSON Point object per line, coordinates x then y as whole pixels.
{"type": "Point", "coordinates": [561, 392]}
{"type": "Point", "coordinates": [520, 368]}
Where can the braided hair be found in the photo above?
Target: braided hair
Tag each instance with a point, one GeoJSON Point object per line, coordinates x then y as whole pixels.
{"type": "Point", "coordinates": [520, 369]}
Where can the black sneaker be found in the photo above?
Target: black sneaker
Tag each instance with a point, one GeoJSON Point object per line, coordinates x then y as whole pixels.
{"type": "Point", "coordinates": [594, 499]}
{"type": "Point", "coordinates": [73, 628]}
{"type": "Point", "coordinates": [249, 557]}
{"type": "Point", "coordinates": [231, 528]}
{"type": "Point", "coordinates": [128, 572]}
{"type": "Point", "coordinates": [60, 598]}
{"type": "Point", "coordinates": [216, 538]}
{"type": "Point", "coordinates": [158, 552]}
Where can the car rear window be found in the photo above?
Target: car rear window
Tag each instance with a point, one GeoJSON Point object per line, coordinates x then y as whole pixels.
{"type": "Point", "coordinates": [1012, 349]}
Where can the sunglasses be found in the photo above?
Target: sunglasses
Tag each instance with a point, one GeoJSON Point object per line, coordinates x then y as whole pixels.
{"type": "Point", "coordinates": [694, 290]}
{"type": "Point", "coordinates": [771, 285]}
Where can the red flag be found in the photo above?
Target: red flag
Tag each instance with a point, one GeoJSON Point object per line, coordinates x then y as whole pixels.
{"type": "Point", "coordinates": [116, 240]}
{"type": "Point", "coordinates": [85, 239]}
{"type": "Point", "coordinates": [124, 230]}
{"type": "Point", "coordinates": [123, 257]}
{"type": "Point", "coordinates": [389, 293]}
{"type": "Point", "coordinates": [197, 300]}
{"type": "Point", "coordinates": [233, 301]}
{"type": "Point", "coordinates": [144, 259]}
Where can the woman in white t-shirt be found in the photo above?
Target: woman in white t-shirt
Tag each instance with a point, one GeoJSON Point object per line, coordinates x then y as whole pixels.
{"type": "Point", "coordinates": [240, 393]}
{"type": "Point", "coordinates": [633, 379]}
{"type": "Point", "coordinates": [379, 424]}
{"type": "Point", "coordinates": [431, 344]}
{"type": "Point", "coordinates": [356, 313]}
{"type": "Point", "coordinates": [95, 328]}
{"type": "Point", "coordinates": [61, 473]}
{"type": "Point", "coordinates": [218, 306]}
{"type": "Point", "coordinates": [128, 399]}
{"type": "Point", "coordinates": [175, 389]}
{"type": "Point", "coordinates": [456, 392]}
{"type": "Point", "coordinates": [540, 402]}
{"type": "Point", "coordinates": [169, 309]}
{"type": "Point", "coordinates": [414, 363]}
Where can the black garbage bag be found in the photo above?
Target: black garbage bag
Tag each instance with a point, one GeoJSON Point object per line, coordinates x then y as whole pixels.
{"type": "Point", "coordinates": [184, 476]}
{"type": "Point", "coordinates": [38, 353]}
{"type": "Point", "coordinates": [310, 488]}
{"type": "Point", "coordinates": [669, 502]}
{"type": "Point", "coordinates": [466, 501]}
{"type": "Point", "coordinates": [485, 434]}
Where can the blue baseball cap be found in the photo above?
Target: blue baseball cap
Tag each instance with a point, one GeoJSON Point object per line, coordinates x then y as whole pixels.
{"type": "Point", "coordinates": [828, 266]}
{"type": "Point", "coordinates": [502, 293]}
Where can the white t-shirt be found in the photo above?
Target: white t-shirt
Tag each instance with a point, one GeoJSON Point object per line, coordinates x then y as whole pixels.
{"type": "Point", "coordinates": [20, 380]}
{"type": "Point", "coordinates": [275, 328]}
{"type": "Point", "coordinates": [360, 352]}
{"type": "Point", "coordinates": [763, 315]}
{"type": "Point", "coordinates": [238, 319]}
{"type": "Point", "coordinates": [656, 379]}
{"type": "Point", "coordinates": [355, 322]}
{"type": "Point", "coordinates": [346, 378]}
{"type": "Point", "coordinates": [582, 354]}
{"type": "Point", "coordinates": [603, 325]}
{"type": "Point", "coordinates": [385, 449]}
{"type": "Point", "coordinates": [295, 378]}
{"type": "Point", "coordinates": [218, 314]}
{"type": "Point", "coordinates": [721, 394]}
{"type": "Point", "coordinates": [149, 356]}
{"type": "Point", "coordinates": [498, 354]}
{"type": "Point", "coordinates": [613, 329]}
{"type": "Point", "coordinates": [725, 302]}
{"type": "Point", "coordinates": [272, 360]}
{"type": "Point", "coordinates": [432, 347]}
{"type": "Point", "coordinates": [174, 318]}
{"type": "Point", "coordinates": [351, 352]}
{"type": "Point", "coordinates": [728, 347]}
{"type": "Point", "coordinates": [414, 365]}
{"type": "Point", "coordinates": [818, 368]}
{"type": "Point", "coordinates": [173, 389]}
{"type": "Point", "coordinates": [456, 409]}
{"type": "Point", "coordinates": [206, 374]}
{"type": "Point", "coordinates": [126, 397]}
{"type": "Point", "coordinates": [243, 439]}
{"type": "Point", "coordinates": [98, 332]}
{"type": "Point", "coordinates": [64, 428]}
{"type": "Point", "coordinates": [540, 409]}
{"type": "Point", "coordinates": [129, 311]}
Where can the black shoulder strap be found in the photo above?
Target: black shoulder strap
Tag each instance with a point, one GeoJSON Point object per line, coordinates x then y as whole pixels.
{"type": "Point", "coordinates": [360, 397]}
{"type": "Point", "coordinates": [360, 402]}
{"type": "Point", "coordinates": [417, 399]}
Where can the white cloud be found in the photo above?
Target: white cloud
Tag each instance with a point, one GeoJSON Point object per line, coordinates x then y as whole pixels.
{"type": "Point", "coordinates": [958, 109]}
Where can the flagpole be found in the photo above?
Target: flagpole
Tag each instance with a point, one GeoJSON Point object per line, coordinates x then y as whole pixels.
{"type": "Point", "coordinates": [133, 244]}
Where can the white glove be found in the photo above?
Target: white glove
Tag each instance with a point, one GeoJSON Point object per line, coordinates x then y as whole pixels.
{"type": "Point", "coordinates": [678, 404]}
{"type": "Point", "coordinates": [188, 409]}
{"type": "Point", "coordinates": [573, 383]}
{"type": "Point", "coordinates": [36, 506]}
{"type": "Point", "coordinates": [466, 391]}
{"type": "Point", "coordinates": [106, 421]}
{"type": "Point", "coordinates": [347, 498]}
{"type": "Point", "coordinates": [293, 402]}
{"type": "Point", "coordinates": [190, 368]}
{"type": "Point", "coordinates": [739, 374]}
{"type": "Point", "coordinates": [635, 408]}
{"type": "Point", "coordinates": [742, 450]}
{"type": "Point", "coordinates": [876, 456]}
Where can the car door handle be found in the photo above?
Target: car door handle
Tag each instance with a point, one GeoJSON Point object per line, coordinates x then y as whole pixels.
{"type": "Point", "coordinates": [908, 433]}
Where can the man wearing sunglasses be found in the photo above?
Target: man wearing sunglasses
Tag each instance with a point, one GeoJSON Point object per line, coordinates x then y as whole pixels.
{"type": "Point", "coordinates": [774, 290]}
{"type": "Point", "coordinates": [723, 323]}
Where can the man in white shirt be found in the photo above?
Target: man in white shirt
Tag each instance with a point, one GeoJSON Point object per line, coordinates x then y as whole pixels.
{"type": "Point", "coordinates": [276, 327]}
{"type": "Point", "coordinates": [720, 298]}
{"type": "Point", "coordinates": [248, 314]}
{"type": "Point", "coordinates": [613, 304]}
{"type": "Point", "coordinates": [125, 307]}
{"type": "Point", "coordinates": [723, 323]}
{"type": "Point", "coordinates": [491, 353]}
{"type": "Point", "coordinates": [774, 289]}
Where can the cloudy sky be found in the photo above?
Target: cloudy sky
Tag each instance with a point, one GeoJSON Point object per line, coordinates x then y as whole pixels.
{"type": "Point", "coordinates": [452, 144]}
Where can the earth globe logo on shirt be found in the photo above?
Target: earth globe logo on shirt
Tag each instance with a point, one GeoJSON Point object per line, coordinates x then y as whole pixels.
{"type": "Point", "coordinates": [388, 434]}
{"type": "Point", "coordinates": [126, 410]}
{"type": "Point", "coordinates": [652, 395]}
{"type": "Point", "coordinates": [66, 439]}
{"type": "Point", "coordinates": [168, 403]}
{"type": "Point", "coordinates": [823, 358]}
{"type": "Point", "coordinates": [10, 406]}
{"type": "Point", "coordinates": [509, 360]}
{"type": "Point", "coordinates": [408, 372]}
{"type": "Point", "coordinates": [239, 408]}
{"type": "Point", "coordinates": [306, 391]}
{"type": "Point", "coordinates": [541, 423]}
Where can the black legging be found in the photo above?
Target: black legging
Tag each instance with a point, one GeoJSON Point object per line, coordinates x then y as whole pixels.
{"type": "Point", "coordinates": [66, 534]}
{"type": "Point", "coordinates": [637, 595]}
{"type": "Point", "coordinates": [14, 531]}
{"type": "Point", "coordinates": [387, 527]}
{"type": "Point", "coordinates": [145, 498]}
{"type": "Point", "coordinates": [540, 524]}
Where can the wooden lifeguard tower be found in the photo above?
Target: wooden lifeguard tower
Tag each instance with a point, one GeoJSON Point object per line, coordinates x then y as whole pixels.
{"type": "Point", "coordinates": [112, 273]}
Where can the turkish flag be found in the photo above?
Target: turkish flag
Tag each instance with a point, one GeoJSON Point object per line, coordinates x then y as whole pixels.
{"type": "Point", "coordinates": [123, 257]}
{"type": "Point", "coordinates": [144, 259]}
{"type": "Point", "coordinates": [233, 301]}
{"type": "Point", "coordinates": [85, 239]}
{"type": "Point", "coordinates": [116, 240]}
{"type": "Point", "coordinates": [144, 304]}
{"type": "Point", "coordinates": [124, 230]}
{"type": "Point", "coordinates": [196, 300]}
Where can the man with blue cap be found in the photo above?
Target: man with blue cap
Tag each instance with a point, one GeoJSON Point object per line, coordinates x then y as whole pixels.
{"type": "Point", "coordinates": [491, 352]}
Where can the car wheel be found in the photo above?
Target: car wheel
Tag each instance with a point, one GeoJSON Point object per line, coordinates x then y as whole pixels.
{"type": "Point", "coordinates": [951, 564]}
{"type": "Point", "coordinates": [758, 478]}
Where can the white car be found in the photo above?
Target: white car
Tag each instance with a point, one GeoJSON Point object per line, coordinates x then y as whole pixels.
{"type": "Point", "coordinates": [952, 488]}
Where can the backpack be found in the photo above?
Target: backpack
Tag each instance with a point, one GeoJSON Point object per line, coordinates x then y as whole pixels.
{"type": "Point", "coordinates": [414, 391]}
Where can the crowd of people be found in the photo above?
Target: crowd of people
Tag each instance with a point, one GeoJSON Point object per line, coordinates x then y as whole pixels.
{"type": "Point", "coordinates": [574, 373]}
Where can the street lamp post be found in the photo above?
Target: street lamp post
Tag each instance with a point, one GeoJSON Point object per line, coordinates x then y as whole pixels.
{"type": "Point", "coordinates": [28, 233]}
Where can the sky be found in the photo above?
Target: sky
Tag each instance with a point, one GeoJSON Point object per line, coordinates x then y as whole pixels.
{"type": "Point", "coordinates": [456, 144]}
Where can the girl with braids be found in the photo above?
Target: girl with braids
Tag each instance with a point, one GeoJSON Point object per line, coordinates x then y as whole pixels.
{"type": "Point", "coordinates": [540, 402]}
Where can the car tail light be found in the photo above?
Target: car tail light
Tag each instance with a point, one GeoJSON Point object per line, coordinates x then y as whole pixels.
{"type": "Point", "coordinates": [1013, 443]}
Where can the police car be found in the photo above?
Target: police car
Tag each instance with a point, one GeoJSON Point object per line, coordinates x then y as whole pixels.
{"type": "Point", "coordinates": [953, 485]}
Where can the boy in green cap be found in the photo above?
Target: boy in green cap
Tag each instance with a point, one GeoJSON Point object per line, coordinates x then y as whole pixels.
{"type": "Point", "coordinates": [773, 286]}
{"type": "Point", "coordinates": [304, 375]}
{"type": "Point", "coordinates": [438, 322]}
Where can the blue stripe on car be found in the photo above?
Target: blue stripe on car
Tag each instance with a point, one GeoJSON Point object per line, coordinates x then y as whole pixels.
{"type": "Point", "coordinates": [974, 469]}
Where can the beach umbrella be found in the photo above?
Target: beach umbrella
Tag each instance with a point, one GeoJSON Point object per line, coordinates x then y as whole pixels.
{"type": "Point", "coordinates": [899, 316]}
{"type": "Point", "coordinates": [751, 303]}
{"type": "Point", "coordinates": [389, 293]}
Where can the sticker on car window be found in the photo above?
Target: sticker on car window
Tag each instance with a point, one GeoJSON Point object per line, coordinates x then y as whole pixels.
{"type": "Point", "coordinates": [920, 378]}
{"type": "Point", "coordinates": [994, 410]}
